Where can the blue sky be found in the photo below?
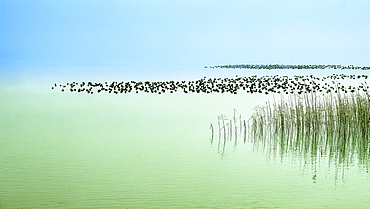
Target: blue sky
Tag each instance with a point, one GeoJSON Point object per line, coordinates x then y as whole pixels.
{"type": "Point", "coordinates": [137, 33]}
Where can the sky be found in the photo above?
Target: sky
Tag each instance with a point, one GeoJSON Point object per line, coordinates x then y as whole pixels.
{"type": "Point", "coordinates": [41, 36]}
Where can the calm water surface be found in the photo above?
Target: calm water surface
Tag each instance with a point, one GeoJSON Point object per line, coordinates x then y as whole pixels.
{"type": "Point", "coordinates": [142, 150]}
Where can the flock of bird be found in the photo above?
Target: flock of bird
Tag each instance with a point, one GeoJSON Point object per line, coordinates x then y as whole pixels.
{"type": "Point", "coordinates": [295, 67]}
{"type": "Point", "coordinates": [252, 84]}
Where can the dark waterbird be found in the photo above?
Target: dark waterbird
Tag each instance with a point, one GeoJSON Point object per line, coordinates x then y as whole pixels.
{"type": "Point", "coordinates": [252, 84]}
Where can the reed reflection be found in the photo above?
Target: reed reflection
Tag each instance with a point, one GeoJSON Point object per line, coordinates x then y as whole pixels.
{"type": "Point", "coordinates": [308, 127]}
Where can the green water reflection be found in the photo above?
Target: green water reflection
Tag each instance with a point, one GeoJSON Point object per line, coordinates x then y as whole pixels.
{"type": "Point", "coordinates": [65, 150]}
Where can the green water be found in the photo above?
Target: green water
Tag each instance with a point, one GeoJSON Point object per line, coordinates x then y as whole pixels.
{"type": "Point", "coordinates": [78, 150]}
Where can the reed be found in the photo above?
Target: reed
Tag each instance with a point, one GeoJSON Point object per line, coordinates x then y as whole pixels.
{"type": "Point", "coordinates": [211, 127]}
{"type": "Point", "coordinates": [306, 126]}
{"type": "Point", "coordinates": [228, 130]}
{"type": "Point", "coordinates": [310, 125]}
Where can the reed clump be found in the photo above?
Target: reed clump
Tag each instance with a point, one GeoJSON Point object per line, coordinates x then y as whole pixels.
{"type": "Point", "coordinates": [229, 130]}
{"type": "Point", "coordinates": [336, 125]}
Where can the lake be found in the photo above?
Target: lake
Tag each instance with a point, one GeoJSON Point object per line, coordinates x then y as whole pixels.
{"type": "Point", "coordinates": [71, 150]}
